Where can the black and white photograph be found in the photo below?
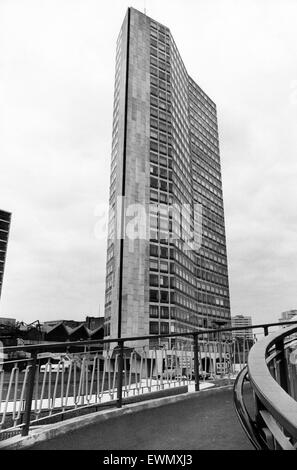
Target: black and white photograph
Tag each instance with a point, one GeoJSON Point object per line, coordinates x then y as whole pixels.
{"type": "Point", "coordinates": [148, 229]}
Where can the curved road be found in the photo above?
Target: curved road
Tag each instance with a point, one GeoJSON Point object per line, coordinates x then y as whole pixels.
{"type": "Point", "coordinates": [205, 422]}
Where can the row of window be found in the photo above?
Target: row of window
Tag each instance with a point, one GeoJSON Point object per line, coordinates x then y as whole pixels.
{"type": "Point", "coordinates": [199, 119]}
{"type": "Point", "coordinates": [160, 45]}
{"type": "Point", "coordinates": [198, 108]}
{"type": "Point", "coordinates": [201, 140]}
{"type": "Point", "coordinates": [208, 187]}
{"type": "Point", "coordinates": [206, 265]}
{"type": "Point", "coordinates": [208, 195]}
{"type": "Point", "coordinates": [3, 236]}
{"type": "Point", "coordinates": [200, 96]}
{"type": "Point", "coordinates": [207, 205]}
{"type": "Point", "coordinates": [161, 74]}
{"type": "Point", "coordinates": [160, 64]}
{"type": "Point", "coordinates": [178, 270]}
{"type": "Point", "coordinates": [159, 54]}
{"type": "Point", "coordinates": [157, 112]}
{"type": "Point", "coordinates": [213, 227]}
{"type": "Point", "coordinates": [161, 172]}
{"type": "Point", "coordinates": [198, 129]}
{"type": "Point", "coordinates": [211, 288]}
{"type": "Point", "coordinates": [198, 150]}
{"type": "Point", "coordinates": [4, 225]}
{"type": "Point", "coordinates": [162, 311]}
{"type": "Point", "coordinates": [217, 278]}
{"type": "Point", "coordinates": [158, 196]}
{"type": "Point", "coordinates": [212, 237]}
{"type": "Point", "coordinates": [160, 30]}
{"type": "Point", "coordinates": [162, 296]}
{"type": "Point", "coordinates": [161, 251]}
{"type": "Point", "coordinates": [3, 246]}
{"type": "Point", "coordinates": [156, 328]}
{"type": "Point", "coordinates": [203, 170]}
{"type": "Point", "coordinates": [209, 255]}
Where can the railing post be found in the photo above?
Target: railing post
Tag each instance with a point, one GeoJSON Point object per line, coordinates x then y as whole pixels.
{"type": "Point", "coordinates": [220, 354]}
{"type": "Point", "coordinates": [29, 394]}
{"type": "Point", "coordinates": [196, 362]}
{"type": "Point", "coordinates": [120, 374]}
{"type": "Point", "coordinates": [282, 364]}
{"type": "Point", "coordinates": [266, 330]}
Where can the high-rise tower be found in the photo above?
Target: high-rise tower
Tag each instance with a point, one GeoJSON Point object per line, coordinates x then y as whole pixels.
{"type": "Point", "coordinates": [166, 254]}
{"type": "Point", "coordinates": [4, 232]}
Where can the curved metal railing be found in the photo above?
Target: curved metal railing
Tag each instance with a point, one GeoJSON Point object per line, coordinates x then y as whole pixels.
{"type": "Point", "coordinates": [272, 376]}
{"type": "Point", "coordinates": [42, 383]}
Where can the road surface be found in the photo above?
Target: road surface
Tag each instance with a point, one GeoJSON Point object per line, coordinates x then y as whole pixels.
{"type": "Point", "coordinates": [205, 422]}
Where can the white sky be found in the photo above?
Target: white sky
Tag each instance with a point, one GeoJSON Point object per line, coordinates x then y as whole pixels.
{"type": "Point", "coordinates": [56, 97]}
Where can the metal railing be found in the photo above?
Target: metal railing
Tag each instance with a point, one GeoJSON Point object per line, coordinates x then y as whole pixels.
{"type": "Point", "coordinates": [270, 421]}
{"type": "Point", "coordinates": [42, 383]}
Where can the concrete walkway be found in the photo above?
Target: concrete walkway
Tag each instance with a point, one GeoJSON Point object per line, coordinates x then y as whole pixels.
{"type": "Point", "coordinates": [206, 422]}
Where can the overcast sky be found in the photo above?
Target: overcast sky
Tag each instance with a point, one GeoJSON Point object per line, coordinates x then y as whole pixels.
{"type": "Point", "coordinates": [56, 97]}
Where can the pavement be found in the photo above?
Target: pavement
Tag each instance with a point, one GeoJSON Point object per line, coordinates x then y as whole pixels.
{"type": "Point", "coordinates": [205, 422]}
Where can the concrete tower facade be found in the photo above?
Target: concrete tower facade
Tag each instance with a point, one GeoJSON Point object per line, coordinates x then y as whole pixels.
{"type": "Point", "coordinates": [166, 255]}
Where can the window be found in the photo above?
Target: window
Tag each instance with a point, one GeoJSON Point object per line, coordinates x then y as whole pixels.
{"type": "Point", "coordinates": [154, 146]}
{"type": "Point", "coordinates": [163, 252]}
{"type": "Point", "coordinates": [164, 224]}
{"type": "Point", "coordinates": [154, 170]}
{"type": "Point", "coordinates": [154, 296]}
{"type": "Point", "coordinates": [154, 123]}
{"type": "Point", "coordinates": [164, 281]}
{"type": "Point", "coordinates": [154, 265]}
{"type": "Point", "coordinates": [154, 328]}
{"type": "Point", "coordinates": [154, 157]}
{"type": "Point", "coordinates": [154, 235]}
{"type": "Point", "coordinates": [164, 328]}
{"type": "Point", "coordinates": [153, 250]}
{"type": "Point", "coordinates": [154, 134]}
{"type": "Point", "coordinates": [154, 183]}
{"type": "Point", "coordinates": [153, 195]}
{"type": "Point", "coordinates": [164, 312]}
{"type": "Point", "coordinates": [153, 222]}
{"type": "Point", "coordinates": [154, 311]}
{"type": "Point", "coordinates": [154, 280]}
{"type": "Point", "coordinates": [164, 296]}
{"type": "Point", "coordinates": [153, 51]}
{"type": "Point", "coordinates": [163, 266]}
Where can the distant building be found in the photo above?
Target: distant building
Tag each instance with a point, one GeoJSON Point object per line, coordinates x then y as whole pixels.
{"type": "Point", "coordinates": [242, 321]}
{"type": "Point", "coordinates": [53, 323]}
{"type": "Point", "coordinates": [94, 322]}
{"type": "Point", "coordinates": [8, 336]}
{"type": "Point", "coordinates": [7, 321]}
{"type": "Point", "coordinates": [288, 315]}
{"type": "Point", "coordinates": [5, 218]}
{"type": "Point", "coordinates": [72, 330]}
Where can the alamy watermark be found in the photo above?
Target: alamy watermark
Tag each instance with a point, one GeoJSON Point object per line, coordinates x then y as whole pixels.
{"type": "Point", "coordinates": [123, 220]}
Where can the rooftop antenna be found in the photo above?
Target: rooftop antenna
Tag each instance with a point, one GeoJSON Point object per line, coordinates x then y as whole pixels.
{"type": "Point", "coordinates": [144, 7]}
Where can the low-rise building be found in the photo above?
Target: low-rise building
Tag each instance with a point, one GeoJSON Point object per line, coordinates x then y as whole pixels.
{"type": "Point", "coordinates": [242, 321]}
{"type": "Point", "coordinates": [288, 315]}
